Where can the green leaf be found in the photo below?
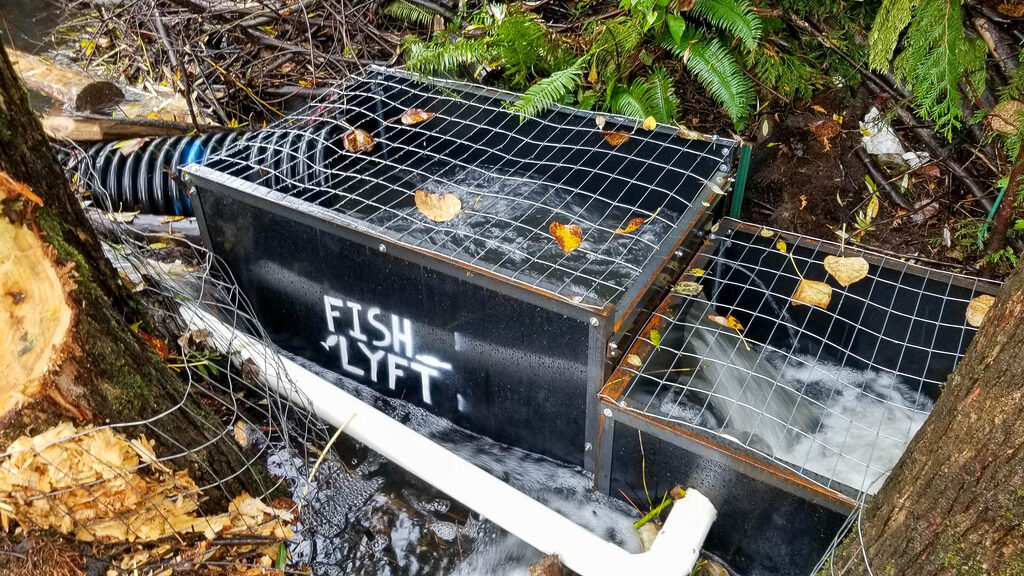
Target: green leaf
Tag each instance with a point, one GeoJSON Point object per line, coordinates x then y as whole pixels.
{"type": "Point", "coordinates": [676, 27]}
{"type": "Point", "coordinates": [282, 557]}
{"type": "Point", "coordinates": [1018, 226]}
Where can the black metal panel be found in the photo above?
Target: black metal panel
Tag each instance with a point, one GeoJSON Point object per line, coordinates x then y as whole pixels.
{"type": "Point", "coordinates": [494, 364]}
{"type": "Point", "coordinates": [760, 529]}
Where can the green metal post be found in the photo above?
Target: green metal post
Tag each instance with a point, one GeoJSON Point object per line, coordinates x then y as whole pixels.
{"type": "Point", "coordinates": [741, 182]}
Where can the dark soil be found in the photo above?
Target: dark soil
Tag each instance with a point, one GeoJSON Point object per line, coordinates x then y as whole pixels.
{"type": "Point", "coordinates": [797, 184]}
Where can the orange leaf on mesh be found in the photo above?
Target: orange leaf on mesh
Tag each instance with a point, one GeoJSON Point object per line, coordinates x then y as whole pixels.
{"type": "Point", "coordinates": [357, 140]}
{"type": "Point", "coordinates": [568, 236]}
{"type": "Point", "coordinates": [631, 226]}
{"type": "Point", "coordinates": [615, 138]}
{"type": "Point", "coordinates": [416, 115]}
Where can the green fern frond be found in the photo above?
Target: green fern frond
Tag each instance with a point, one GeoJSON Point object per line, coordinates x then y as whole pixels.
{"type": "Point", "coordinates": [440, 56]}
{"type": "Point", "coordinates": [551, 90]}
{"type": "Point", "coordinates": [520, 42]}
{"type": "Point", "coordinates": [892, 19]}
{"type": "Point", "coordinates": [662, 97]}
{"type": "Point", "coordinates": [409, 13]}
{"type": "Point", "coordinates": [627, 103]}
{"type": "Point", "coordinates": [717, 70]}
{"type": "Point", "coordinates": [615, 45]}
{"type": "Point", "coordinates": [736, 16]}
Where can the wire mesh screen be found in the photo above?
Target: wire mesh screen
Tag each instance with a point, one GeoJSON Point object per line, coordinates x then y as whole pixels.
{"type": "Point", "coordinates": [186, 484]}
{"type": "Point", "coordinates": [513, 177]}
{"type": "Point", "coordinates": [833, 391]}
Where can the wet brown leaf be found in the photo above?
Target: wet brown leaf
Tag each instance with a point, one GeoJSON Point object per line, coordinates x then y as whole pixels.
{"type": "Point", "coordinates": [689, 134]}
{"type": "Point", "coordinates": [813, 293]}
{"type": "Point", "coordinates": [157, 344]}
{"type": "Point", "coordinates": [568, 236]}
{"type": "Point", "coordinates": [616, 138]}
{"type": "Point", "coordinates": [847, 270]}
{"type": "Point", "coordinates": [438, 207]}
{"type": "Point", "coordinates": [357, 140]}
{"type": "Point", "coordinates": [978, 309]}
{"type": "Point", "coordinates": [416, 115]}
{"type": "Point", "coordinates": [121, 217]}
{"type": "Point", "coordinates": [1011, 9]}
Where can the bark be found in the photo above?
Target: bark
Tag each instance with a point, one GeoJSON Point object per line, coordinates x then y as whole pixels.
{"type": "Point", "coordinates": [100, 372]}
{"type": "Point", "coordinates": [955, 502]}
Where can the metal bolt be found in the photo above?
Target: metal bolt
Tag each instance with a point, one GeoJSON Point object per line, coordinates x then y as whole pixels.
{"type": "Point", "coordinates": [382, 248]}
{"type": "Point", "coordinates": [725, 151]}
{"type": "Point", "coordinates": [191, 191]}
{"type": "Point", "coordinates": [594, 321]}
{"type": "Point", "coordinates": [608, 412]}
{"type": "Point", "coordinates": [613, 345]}
{"type": "Point", "coordinates": [588, 447]}
{"type": "Point", "coordinates": [724, 167]}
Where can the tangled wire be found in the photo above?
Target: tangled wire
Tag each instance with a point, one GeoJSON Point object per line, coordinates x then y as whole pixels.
{"type": "Point", "coordinates": [235, 61]}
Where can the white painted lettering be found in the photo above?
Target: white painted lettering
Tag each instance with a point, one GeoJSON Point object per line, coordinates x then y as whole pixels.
{"type": "Point", "coordinates": [401, 330]}
{"type": "Point", "coordinates": [425, 373]}
{"type": "Point", "coordinates": [355, 332]}
{"type": "Point", "coordinates": [393, 371]}
{"type": "Point", "coordinates": [353, 370]}
{"type": "Point", "coordinates": [329, 307]}
{"type": "Point", "coordinates": [385, 336]}
{"type": "Point", "coordinates": [374, 358]}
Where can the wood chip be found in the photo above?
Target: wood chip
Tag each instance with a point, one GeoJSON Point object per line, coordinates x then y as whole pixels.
{"type": "Point", "coordinates": [978, 309]}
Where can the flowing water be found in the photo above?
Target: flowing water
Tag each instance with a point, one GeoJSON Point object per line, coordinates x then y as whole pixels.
{"type": "Point", "coordinates": [846, 425]}
{"type": "Point", "coordinates": [363, 515]}
{"type": "Point", "coordinates": [504, 226]}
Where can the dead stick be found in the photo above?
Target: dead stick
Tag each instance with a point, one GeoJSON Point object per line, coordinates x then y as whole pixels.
{"type": "Point", "coordinates": [1001, 222]}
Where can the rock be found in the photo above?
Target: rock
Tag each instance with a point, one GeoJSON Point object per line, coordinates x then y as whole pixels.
{"type": "Point", "coordinates": [98, 97]}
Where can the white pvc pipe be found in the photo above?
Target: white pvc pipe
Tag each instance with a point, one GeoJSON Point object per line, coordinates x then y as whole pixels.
{"type": "Point", "coordinates": [673, 553]}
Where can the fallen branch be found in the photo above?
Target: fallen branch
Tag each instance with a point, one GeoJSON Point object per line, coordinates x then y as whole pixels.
{"type": "Point", "coordinates": [882, 180]}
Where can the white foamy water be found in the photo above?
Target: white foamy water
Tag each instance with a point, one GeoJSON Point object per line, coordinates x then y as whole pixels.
{"type": "Point", "coordinates": [363, 515]}
{"type": "Point", "coordinates": [868, 418]}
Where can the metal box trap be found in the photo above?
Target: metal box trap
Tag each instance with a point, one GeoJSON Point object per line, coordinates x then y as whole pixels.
{"type": "Point", "coordinates": [486, 321]}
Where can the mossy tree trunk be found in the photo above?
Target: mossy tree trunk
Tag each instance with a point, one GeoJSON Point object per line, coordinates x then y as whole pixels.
{"type": "Point", "coordinates": [96, 370]}
{"type": "Point", "coordinates": [955, 502]}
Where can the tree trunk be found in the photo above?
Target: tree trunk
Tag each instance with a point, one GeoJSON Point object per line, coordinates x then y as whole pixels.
{"type": "Point", "coordinates": [955, 502]}
{"type": "Point", "coordinates": [66, 347]}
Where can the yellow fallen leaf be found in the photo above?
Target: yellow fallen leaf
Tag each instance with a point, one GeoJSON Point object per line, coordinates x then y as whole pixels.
{"type": "Point", "coordinates": [568, 236]}
{"type": "Point", "coordinates": [631, 226]}
{"type": "Point", "coordinates": [656, 337]}
{"type": "Point", "coordinates": [730, 322]}
{"type": "Point", "coordinates": [240, 434]}
{"type": "Point", "coordinates": [847, 270]}
{"type": "Point", "coordinates": [633, 360]}
{"type": "Point", "coordinates": [600, 120]}
{"type": "Point", "coordinates": [415, 116]}
{"type": "Point", "coordinates": [357, 140]}
{"type": "Point", "coordinates": [813, 293]}
{"type": "Point", "coordinates": [978, 309]}
{"type": "Point", "coordinates": [697, 271]}
{"type": "Point", "coordinates": [766, 233]}
{"type": "Point", "coordinates": [650, 123]}
{"type": "Point", "coordinates": [781, 246]}
{"type": "Point", "coordinates": [438, 207]}
{"type": "Point", "coordinates": [688, 288]}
